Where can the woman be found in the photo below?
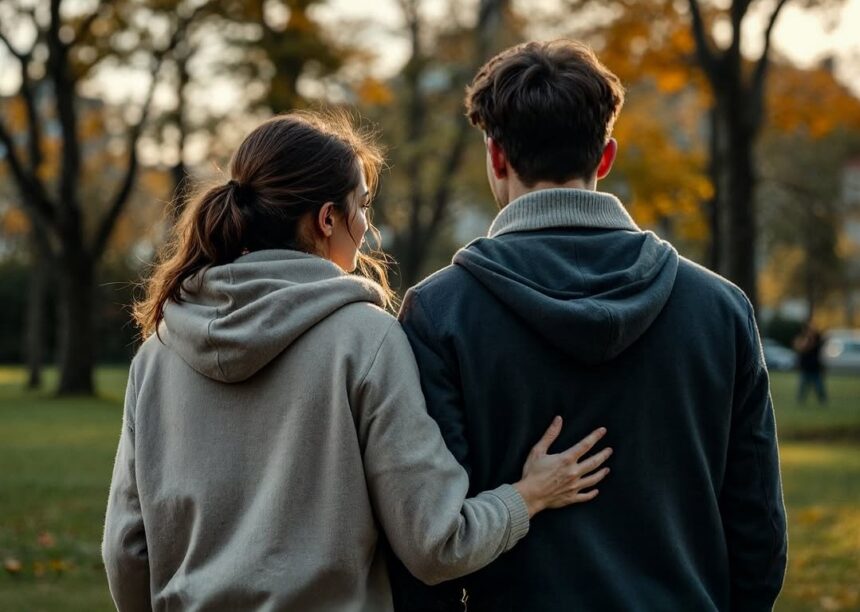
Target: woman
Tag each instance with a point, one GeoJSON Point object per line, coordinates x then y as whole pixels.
{"type": "Point", "coordinates": [274, 423]}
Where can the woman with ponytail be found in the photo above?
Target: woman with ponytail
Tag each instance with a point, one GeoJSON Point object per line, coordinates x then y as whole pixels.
{"type": "Point", "coordinates": [274, 426]}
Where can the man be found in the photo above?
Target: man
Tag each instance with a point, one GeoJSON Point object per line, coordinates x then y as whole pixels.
{"type": "Point", "coordinates": [568, 308]}
{"type": "Point", "coordinates": [808, 345]}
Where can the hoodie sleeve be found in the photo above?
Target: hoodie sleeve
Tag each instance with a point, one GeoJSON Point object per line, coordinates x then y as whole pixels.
{"type": "Point", "coordinates": [124, 548]}
{"type": "Point", "coordinates": [751, 498]}
{"type": "Point", "coordinates": [417, 487]}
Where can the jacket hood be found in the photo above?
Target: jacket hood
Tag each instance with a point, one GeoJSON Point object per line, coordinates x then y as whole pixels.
{"type": "Point", "coordinates": [575, 268]}
{"type": "Point", "coordinates": [234, 319]}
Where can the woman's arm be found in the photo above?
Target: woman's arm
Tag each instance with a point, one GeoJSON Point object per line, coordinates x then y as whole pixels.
{"type": "Point", "coordinates": [124, 546]}
{"type": "Point", "coordinates": [419, 490]}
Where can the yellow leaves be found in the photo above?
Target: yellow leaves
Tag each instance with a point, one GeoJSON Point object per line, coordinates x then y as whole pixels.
{"type": "Point", "coordinates": [812, 101]}
{"type": "Point", "coordinates": [299, 21]}
{"type": "Point", "coordinates": [15, 112]}
{"type": "Point", "coordinates": [778, 274]}
{"type": "Point", "coordinates": [157, 183]}
{"type": "Point", "coordinates": [810, 516]}
{"type": "Point", "coordinates": [672, 81]}
{"type": "Point", "coordinates": [374, 92]}
{"type": "Point", "coordinates": [14, 222]}
{"type": "Point", "coordinates": [661, 160]}
{"type": "Point", "coordinates": [91, 126]}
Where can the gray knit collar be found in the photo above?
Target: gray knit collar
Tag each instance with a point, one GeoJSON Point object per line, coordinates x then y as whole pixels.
{"type": "Point", "coordinates": [548, 208]}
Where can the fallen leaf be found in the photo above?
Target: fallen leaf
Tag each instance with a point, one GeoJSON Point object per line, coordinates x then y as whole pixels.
{"type": "Point", "coordinates": [46, 540]}
{"type": "Point", "coordinates": [13, 566]}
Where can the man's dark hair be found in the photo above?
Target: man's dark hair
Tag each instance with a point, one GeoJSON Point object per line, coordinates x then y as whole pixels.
{"type": "Point", "coordinates": [550, 106]}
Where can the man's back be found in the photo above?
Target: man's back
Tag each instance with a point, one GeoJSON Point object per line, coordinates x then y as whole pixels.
{"type": "Point", "coordinates": [606, 326]}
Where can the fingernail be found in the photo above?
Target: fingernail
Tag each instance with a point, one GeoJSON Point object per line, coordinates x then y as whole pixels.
{"type": "Point", "coordinates": [602, 430]}
{"type": "Point", "coordinates": [556, 420]}
{"type": "Point", "coordinates": [610, 450]}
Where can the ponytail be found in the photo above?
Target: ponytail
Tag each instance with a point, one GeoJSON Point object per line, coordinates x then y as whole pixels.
{"type": "Point", "coordinates": [210, 232]}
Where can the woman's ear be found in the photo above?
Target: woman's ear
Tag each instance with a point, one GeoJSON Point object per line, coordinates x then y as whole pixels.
{"type": "Point", "coordinates": [325, 219]}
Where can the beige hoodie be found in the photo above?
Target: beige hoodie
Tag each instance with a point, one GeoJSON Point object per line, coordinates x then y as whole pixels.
{"type": "Point", "coordinates": [271, 439]}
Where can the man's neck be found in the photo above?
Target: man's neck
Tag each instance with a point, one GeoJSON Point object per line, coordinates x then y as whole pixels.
{"type": "Point", "coordinates": [517, 189]}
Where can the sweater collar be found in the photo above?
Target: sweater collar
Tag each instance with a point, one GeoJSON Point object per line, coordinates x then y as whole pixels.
{"type": "Point", "coordinates": [548, 208]}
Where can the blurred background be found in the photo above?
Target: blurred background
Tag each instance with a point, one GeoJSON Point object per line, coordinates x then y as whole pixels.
{"type": "Point", "coordinates": [739, 143]}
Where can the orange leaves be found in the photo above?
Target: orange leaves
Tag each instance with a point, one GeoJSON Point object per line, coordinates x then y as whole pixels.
{"type": "Point", "coordinates": [661, 160]}
{"type": "Point", "coordinates": [46, 540]}
{"type": "Point", "coordinates": [374, 92]}
{"type": "Point", "coordinates": [15, 112]}
{"type": "Point", "coordinates": [13, 222]}
{"type": "Point", "coordinates": [810, 101]}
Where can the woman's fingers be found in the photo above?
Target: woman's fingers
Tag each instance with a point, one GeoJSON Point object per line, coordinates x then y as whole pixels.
{"type": "Point", "coordinates": [591, 480]}
{"type": "Point", "coordinates": [583, 446]}
{"type": "Point", "coordinates": [593, 462]}
{"type": "Point", "coordinates": [548, 437]}
{"type": "Point", "coordinates": [584, 497]}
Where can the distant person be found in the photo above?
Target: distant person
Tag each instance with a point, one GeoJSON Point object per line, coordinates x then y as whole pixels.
{"type": "Point", "coordinates": [568, 307]}
{"type": "Point", "coordinates": [808, 345]}
{"type": "Point", "coordinates": [274, 426]}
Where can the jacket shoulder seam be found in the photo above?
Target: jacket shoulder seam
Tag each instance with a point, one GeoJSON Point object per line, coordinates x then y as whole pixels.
{"type": "Point", "coordinates": [363, 377]}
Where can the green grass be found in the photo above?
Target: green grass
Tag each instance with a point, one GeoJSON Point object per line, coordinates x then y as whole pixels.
{"type": "Point", "coordinates": [839, 419]}
{"type": "Point", "coordinates": [56, 458]}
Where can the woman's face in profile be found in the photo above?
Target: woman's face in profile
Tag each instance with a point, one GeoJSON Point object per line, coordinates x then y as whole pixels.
{"type": "Point", "coordinates": [348, 237]}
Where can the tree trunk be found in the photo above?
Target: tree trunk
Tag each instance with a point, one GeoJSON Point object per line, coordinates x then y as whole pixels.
{"type": "Point", "coordinates": [715, 262]}
{"type": "Point", "coordinates": [735, 188]}
{"type": "Point", "coordinates": [37, 316]}
{"type": "Point", "coordinates": [413, 258]}
{"type": "Point", "coordinates": [75, 317]}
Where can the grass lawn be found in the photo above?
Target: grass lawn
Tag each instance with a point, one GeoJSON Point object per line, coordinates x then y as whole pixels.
{"type": "Point", "coordinates": [56, 457]}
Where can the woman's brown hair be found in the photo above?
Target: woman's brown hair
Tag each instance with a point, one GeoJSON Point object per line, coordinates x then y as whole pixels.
{"type": "Point", "coordinates": [289, 166]}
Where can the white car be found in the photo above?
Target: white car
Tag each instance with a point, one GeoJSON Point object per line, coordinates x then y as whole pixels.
{"type": "Point", "coordinates": [842, 351]}
{"type": "Point", "coordinates": [777, 356]}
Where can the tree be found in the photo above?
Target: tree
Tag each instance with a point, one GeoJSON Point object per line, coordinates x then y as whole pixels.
{"type": "Point", "coordinates": [738, 114]}
{"type": "Point", "coordinates": [804, 219]}
{"type": "Point", "coordinates": [283, 44]}
{"type": "Point", "coordinates": [75, 242]}
{"type": "Point", "coordinates": [428, 134]}
{"type": "Point", "coordinates": [736, 86]}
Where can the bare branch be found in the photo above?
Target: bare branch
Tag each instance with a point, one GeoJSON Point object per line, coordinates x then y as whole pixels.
{"type": "Point", "coordinates": [33, 197]}
{"type": "Point", "coordinates": [737, 11]}
{"type": "Point", "coordinates": [87, 23]}
{"type": "Point", "coordinates": [755, 109]}
{"type": "Point", "coordinates": [703, 42]}
{"type": "Point", "coordinates": [33, 125]}
{"type": "Point", "coordinates": [21, 57]}
{"type": "Point", "coordinates": [127, 184]}
{"type": "Point", "coordinates": [441, 198]}
{"type": "Point", "coordinates": [65, 99]}
{"type": "Point", "coordinates": [761, 65]}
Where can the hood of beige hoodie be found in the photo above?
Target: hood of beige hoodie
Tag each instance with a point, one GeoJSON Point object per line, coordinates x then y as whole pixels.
{"type": "Point", "coordinates": [234, 319]}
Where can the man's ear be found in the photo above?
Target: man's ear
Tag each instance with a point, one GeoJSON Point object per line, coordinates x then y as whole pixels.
{"type": "Point", "coordinates": [498, 159]}
{"type": "Point", "coordinates": [607, 158]}
{"type": "Point", "coordinates": [325, 219]}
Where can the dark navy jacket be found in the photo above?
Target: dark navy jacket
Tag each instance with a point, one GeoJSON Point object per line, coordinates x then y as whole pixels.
{"type": "Point", "coordinates": [585, 316]}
